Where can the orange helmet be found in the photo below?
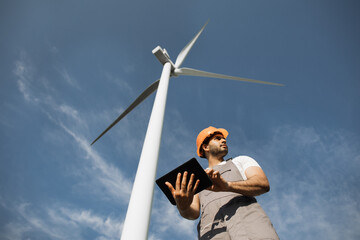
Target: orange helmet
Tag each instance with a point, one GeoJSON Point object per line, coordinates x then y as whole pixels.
{"type": "Point", "coordinates": [204, 134]}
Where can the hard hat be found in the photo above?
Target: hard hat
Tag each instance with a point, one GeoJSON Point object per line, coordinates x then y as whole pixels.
{"type": "Point", "coordinates": [204, 134]}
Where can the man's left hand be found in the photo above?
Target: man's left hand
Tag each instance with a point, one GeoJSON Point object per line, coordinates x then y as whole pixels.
{"type": "Point", "coordinates": [219, 183]}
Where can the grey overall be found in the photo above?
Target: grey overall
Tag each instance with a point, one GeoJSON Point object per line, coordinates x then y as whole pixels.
{"type": "Point", "coordinates": [228, 215]}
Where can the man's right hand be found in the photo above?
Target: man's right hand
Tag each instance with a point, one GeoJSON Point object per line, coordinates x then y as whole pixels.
{"type": "Point", "coordinates": [184, 192]}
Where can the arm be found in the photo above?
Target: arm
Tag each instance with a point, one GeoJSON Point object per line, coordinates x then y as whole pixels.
{"type": "Point", "coordinates": [256, 183]}
{"type": "Point", "coordinates": [187, 202]}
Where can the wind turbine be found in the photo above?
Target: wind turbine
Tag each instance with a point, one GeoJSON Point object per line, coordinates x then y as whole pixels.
{"type": "Point", "coordinates": [138, 214]}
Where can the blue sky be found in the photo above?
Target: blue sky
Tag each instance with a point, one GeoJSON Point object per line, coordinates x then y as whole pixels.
{"type": "Point", "coordinates": [69, 68]}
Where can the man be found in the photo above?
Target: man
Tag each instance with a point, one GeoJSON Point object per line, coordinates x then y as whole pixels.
{"type": "Point", "coordinates": [228, 208]}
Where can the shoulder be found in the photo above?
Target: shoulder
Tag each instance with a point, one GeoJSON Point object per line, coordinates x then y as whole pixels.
{"type": "Point", "coordinates": [244, 162]}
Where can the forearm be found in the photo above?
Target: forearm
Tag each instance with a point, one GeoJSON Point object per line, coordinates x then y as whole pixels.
{"type": "Point", "coordinates": [250, 187]}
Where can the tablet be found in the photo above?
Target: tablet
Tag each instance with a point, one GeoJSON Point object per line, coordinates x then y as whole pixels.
{"type": "Point", "coordinates": [191, 166]}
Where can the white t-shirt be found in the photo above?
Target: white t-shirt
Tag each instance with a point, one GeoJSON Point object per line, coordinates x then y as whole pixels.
{"type": "Point", "coordinates": [243, 163]}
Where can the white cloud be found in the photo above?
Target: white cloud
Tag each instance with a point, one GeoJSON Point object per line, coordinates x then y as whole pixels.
{"type": "Point", "coordinates": [312, 196]}
{"type": "Point", "coordinates": [59, 222]}
{"type": "Point", "coordinates": [124, 86]}
{"type": "Point", "coordinates": [167, 222]}
{"type": "Point", "coordinates": [24, 73]}
{"type": "Point", "coordinates": [69, 79]}
{"type": "Point", "coordinates": [99, 174]}
{"type": "Point", "coordinates": [71, 112]}
{"type": "Point", "coordinates": [14, 231]}
{"type": "Point", "coordinates": [108, 227]}
{"type": "Point", "coordinates": [102, 174]}
{"type": "Point", "coordinates": [38, 223]}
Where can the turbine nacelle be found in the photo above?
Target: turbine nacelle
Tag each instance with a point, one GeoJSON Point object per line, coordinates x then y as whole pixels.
{"type": "Point", "coordinates": [163, 56]}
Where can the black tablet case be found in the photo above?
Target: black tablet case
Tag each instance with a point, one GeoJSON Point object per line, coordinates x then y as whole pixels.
{"type": "Point", "coordinates": [191, 166]}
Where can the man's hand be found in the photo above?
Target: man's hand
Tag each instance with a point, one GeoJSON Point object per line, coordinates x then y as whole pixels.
{"type": "Point", "coordinates": [256, 183]}
{"type": "Point", "coordinates": [219, 183]}
{"type": "Point", "coordinates": [183, 192]}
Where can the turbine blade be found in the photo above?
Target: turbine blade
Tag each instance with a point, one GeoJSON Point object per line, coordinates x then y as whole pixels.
{"type": "Point", "coordinates": [182, 55]}
{"type": "Point", "coordinates": [194, 72]}
{"type": "Point", "coordinates": [137, 101]}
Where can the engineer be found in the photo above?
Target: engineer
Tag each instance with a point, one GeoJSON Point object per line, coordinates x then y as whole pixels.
{"type": "Point", "coordinates": [228, 208]}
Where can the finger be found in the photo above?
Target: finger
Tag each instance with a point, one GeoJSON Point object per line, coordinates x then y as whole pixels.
{"type": "Point", "coordinates": [210, 172]}
{"type": "Point", "coordinates": [196, 185]}
{"type": "Point", "coordinates": [178, 181]}
{"type": "Point", "coordinates": [190, 185]}
{"type": "Point", "coordinates": [171, 188]}
{"type": "Point", "coordinates": [219, 177]}
{"type": "Point", "coordinates": [183, 182]}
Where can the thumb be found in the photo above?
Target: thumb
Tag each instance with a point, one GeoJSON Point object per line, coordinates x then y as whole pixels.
{"type": "Point", "coordinates": [171, 188]}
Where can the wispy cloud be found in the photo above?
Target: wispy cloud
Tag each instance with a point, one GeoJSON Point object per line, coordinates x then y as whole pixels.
{"type": "Point", "coordinates": [167, 222]}
{"type": "Point", "coordinates": [97, 177]}
{"type": "Point", "coordinates": [69, 79]}
{"type": "Point", "coordinates": [107, 227]}
{"type": "Point", "coordinates": [310, 198]}
{"type": "Point", "coordinates": [23, 70]}
{"type": "Point", "coordinates": [100, 174]}
{"type": "Point", "coordinates": [70, 111]}
{"type": "Point", "coordinates": [120, 82]}
{"type": "Point", "coordinates": [59, 222]}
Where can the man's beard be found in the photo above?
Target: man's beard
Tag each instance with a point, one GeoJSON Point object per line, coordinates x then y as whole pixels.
{"type": "Point", "coordinates": [219, 152]}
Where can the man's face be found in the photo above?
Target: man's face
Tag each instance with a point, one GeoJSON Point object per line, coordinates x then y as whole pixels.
{"type": "Point", "coordinates": [217, 145]}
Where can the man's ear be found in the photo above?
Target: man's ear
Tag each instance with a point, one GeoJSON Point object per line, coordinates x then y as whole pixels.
{"type": "Point", "coordinates": [205, 147]}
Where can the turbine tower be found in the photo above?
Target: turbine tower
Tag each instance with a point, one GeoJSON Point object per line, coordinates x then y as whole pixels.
{"type": "Point", "coordinates": [138, 214]}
